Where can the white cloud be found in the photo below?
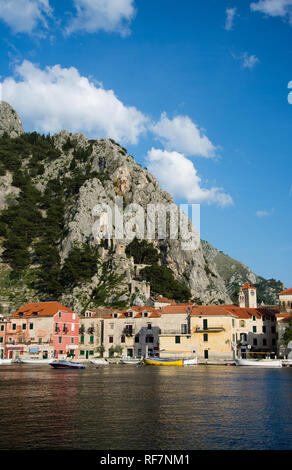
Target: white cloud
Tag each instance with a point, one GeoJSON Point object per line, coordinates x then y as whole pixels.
{"type": "Point", "coordinates": [177, 175]}
{"type": "Point", "coordinates": [182, 135]}
{"type": "Point", "coordinates": [290, 94]}
{"type": "Point", "coordinates": [249, 61]}
{"type": "Point", "coordinates": [106, 15]}
{"type": "Point", "coordinates": [262, 214]}
{"type": "Point", "coordinates": [274, 8]}
{"type": "Point", "coordinates": [230, 15]}
{"type": "Point", "coordinates": [23, 16]}
{"type": "Point", "coordinates": [55, 98]}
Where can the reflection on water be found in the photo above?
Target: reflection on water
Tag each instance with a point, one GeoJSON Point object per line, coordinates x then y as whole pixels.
{"type": "Point", "coordinates": [145, 408]}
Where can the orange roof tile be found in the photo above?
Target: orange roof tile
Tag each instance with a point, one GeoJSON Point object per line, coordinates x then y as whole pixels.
{"type": "Point", "coordinates": [286, 292]}
{"type": "Point", "coordinates": [178, 308]}
{"type": "Point", "coordinates": [248, 286]}
{"type": "Point", "coordinates": [42, 309]}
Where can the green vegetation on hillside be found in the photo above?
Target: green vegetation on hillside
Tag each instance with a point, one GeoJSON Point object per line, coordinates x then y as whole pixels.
{"type": "Point", "coordinates": [161, 278]}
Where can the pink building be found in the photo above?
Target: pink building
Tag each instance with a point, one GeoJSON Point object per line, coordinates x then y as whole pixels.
{"type": "Point", "coordinates": [42, 330]}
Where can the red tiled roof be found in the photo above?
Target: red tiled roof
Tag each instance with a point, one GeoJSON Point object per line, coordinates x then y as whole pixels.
{"type": "Point", "coordinates": [248, 286]}
{"type": "Point", "coordinates": [178, 308]}
{"type": "Point", "coordinates": [43, 309]}
{"type": "Point", "coordinates": [286, 292]}
{"type": "Point", "coordinates": [204, 310]}
{"type": "Point", "coordinates": [164, 300]}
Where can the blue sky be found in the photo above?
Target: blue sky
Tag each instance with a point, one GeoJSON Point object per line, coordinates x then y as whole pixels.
{"type": "Point", "coordinates": [196, 90]}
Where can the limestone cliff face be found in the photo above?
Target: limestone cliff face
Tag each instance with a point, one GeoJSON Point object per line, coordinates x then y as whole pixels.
{"type": "Point", "coordinates": [10, 122]}
{"type": "Point", "coordinates": [126, 178]}
{"type": "Point", "coordinates": [109, 172]}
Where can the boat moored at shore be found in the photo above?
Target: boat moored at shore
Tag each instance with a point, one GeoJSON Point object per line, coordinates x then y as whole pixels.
{"type": "Point", "coordinates": [258, 362]}
{"type": "Point", "coordinates": [62, 364]}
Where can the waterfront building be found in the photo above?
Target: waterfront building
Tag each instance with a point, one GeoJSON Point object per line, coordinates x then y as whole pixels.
{"type": "Point", "coordinates": [91, 331]}
{"type": "Point", "coordinates": [212, 328]}
{"type": "Point", "coordinates": [285, 301]}
{"type": "Point", "coordinates": [175, 339]}
{"type": "Point", "coordinates": [134, 332]}
{"type": "Point", "coordinates": [42, 330]}
{"type": "Point", "coordinates": [3, 329]}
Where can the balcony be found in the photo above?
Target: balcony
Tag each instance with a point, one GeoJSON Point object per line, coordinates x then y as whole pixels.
{"type": "Point", "coordinates": [128, 331]}
{"type": "Point", "coordinates": [209, 329]}
{"type": "Point", "coordinates": [174, 333]}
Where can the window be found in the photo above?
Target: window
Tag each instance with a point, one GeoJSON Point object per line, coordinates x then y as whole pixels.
{"type": "Point", "coordinates": [122, 339]}
{"type": "Point", "coordinates": [149, 339]}
{"type": "Point", "coordinates": [115, 315]}
{"type": "Point", "coordinates": [24, 326]}
{"type": "Point", "coordinates": [40, 340]}
{"type": "Point", "coordinates": [273, 341]}
{"type": "Point", "coordinates": [177, 339]}
{"type": "Point", "coordinates": [184, 329]}
{"type": "Point", "coordinates": [255, 342]}
{"type": "Point", "coordinates": [60, 314]}
{"type": "Point", "coordinates": [205, 336]}
{"type": "Point", "coordinates": [264, 342]}
{"type": "Point", "coordinates": [60, 339]}
{"type": "Point", "coordinates": [81, 352]}
{"type": "Point", "coordinates": [149, 326]}
{"type": "Point", "coordinates": [2, 327]}
{"type": "Point", "coordinates": [91, 353]}
{"type": "Point", "coordinates": [111, 339]}
{"type": "Point", "coordinates": [31, 326]}
{"type": "Point", "coordinates": [82, 339]}
{"type": "Point", "coordinates": [1, 339]}
{"type": "Point", "coordinates": [206, 354]}
{"type": "Point", "coordinates": [232, 321]}
{"type": "Point", "coordinates": [242, 323]}
{"type": "Point", "coordinates": [273, 329]}
{"type": "Point", "coordinates": [264, 318]}
{"type": "Point", "coordinates": [205, 324]}
{"type": "Point", "coordinates": [73, 316]}
{"type": "Point", "coordinates": [145, 314]}
{"type": "Point", "coordinates": [72, 327]}
{"type": "Point", "coordinates": [264, 329]}
{"type": "Point", "coordinates": [137, 339]}
{"type": "Point", "coordinates": [72, 339]}
{"type": "Point", "coordinates": [254, 329]}
{"type": "Point", "coordinates": [254, 318]}
{"type": "Point", "coordinates": [91, 339]}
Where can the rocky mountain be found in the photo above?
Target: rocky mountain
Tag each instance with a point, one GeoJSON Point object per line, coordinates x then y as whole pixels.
{"type": "Point", "coordinates": [51, 192]}
{"type": "Point", "coordinates": [235, 274]}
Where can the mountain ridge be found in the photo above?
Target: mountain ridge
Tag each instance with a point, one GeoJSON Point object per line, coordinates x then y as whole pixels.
{"type": "Point", "coordinates": [51, 184]}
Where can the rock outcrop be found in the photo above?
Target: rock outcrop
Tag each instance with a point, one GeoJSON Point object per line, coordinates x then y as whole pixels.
{"type": "Point", "coordinates": [10, 122]}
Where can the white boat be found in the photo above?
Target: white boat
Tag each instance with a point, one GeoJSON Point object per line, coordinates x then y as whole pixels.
{"type": "Point", "coordinates": [32, 361]}
{"type": "Point", "coordinates": [5, 361]}
{"type": "Point", "coordinates": [130, 361]}
{"type": "Point", "coordinates": [99, 362]}
{"type": "Point", "coordinates": [258, 362]}
{"type": "Point", "coordinates": [192, 361]}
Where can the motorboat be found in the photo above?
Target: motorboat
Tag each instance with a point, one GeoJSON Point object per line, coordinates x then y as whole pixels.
{"type": "Point", "coordinates": [63, 364]}
{"type": "Point", "coordinates": [258, 362]}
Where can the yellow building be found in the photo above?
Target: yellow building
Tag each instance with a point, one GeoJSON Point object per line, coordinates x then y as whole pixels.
{"type": "Point", "coordinates": [212, 329]}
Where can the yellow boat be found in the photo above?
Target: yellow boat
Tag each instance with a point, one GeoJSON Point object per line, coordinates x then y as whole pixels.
{"type": "Point", "coordinates": [160, 361]}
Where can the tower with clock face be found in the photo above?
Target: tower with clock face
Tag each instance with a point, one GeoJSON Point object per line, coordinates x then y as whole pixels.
{"type": "Point", "coordinates": [247, 297]}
